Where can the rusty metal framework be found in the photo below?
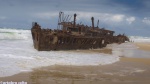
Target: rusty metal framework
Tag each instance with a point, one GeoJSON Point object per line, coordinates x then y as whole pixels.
{"type": "Point", "coordinates": [69, 36]}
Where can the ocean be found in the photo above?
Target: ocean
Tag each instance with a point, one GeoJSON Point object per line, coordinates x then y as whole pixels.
{"type": "Point", "coordinates": [17, 53]}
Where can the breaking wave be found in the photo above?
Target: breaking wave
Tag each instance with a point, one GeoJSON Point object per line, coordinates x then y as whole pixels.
{"type": "Point", "coordinates": [139, 39]}
{"type": "Point", "coordinates": [14, 34]}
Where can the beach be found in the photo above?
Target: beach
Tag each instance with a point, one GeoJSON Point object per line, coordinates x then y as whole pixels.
{"type": "Point", "coordinates": [126, 71]}
{"type": "Point", "coordinates": [75, 42]}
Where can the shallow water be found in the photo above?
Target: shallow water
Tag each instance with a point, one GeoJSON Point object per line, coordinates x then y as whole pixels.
{"type": "Point", "coordinates": [129, 50]}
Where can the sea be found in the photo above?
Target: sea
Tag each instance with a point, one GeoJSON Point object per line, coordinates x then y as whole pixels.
{"type": "Point", "coordinates": [17, 53]}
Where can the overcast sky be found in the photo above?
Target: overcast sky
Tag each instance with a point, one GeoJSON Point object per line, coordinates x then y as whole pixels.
{"type": "Point", "coordinates": [131, 17]}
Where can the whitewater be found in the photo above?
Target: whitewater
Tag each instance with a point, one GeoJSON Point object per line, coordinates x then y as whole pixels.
{"type": "Point", "coordinates": [17, 53]}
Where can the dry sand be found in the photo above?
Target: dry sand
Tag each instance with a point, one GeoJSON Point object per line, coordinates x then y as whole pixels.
{"type": "Point", "coordinates": [126, 71]}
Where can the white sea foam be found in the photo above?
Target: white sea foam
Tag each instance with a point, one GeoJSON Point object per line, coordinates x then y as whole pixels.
{"type": "Point", "coordinates": [20, 56]}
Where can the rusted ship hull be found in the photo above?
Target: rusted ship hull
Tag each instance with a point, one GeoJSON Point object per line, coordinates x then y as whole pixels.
{"type": "Point", "coordinates": [43, 42]}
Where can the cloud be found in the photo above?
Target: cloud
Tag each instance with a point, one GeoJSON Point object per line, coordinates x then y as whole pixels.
{"type": "Point", "coordinates": [109, 18]}
{"type": "Point", "coordinates": [117, 17]}
{"type": "Point", "coordinates": [130, 20]}
{"type": "Point", "coordinates": [146, 20]}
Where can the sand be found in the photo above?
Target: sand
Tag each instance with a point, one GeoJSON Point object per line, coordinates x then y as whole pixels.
{"type": "Point", "coordinates": [143, 46]}
{"type": "Point", "coordinates": [120, 72]}
{"type": "Point", "coordinates": [125, 71]}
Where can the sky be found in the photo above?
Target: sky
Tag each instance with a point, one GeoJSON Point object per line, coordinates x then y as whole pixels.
{"type": "Point", "coordinates": [131, 17]}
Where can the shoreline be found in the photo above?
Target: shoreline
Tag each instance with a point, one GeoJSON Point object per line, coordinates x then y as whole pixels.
{"type": "Point", "coordinates": [127, 70]}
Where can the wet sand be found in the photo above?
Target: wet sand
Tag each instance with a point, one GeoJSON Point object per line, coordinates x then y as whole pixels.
{"type": "Point", "coordinates": [143, 46]}
{"type": "Point", "coordinates": [125, 71]}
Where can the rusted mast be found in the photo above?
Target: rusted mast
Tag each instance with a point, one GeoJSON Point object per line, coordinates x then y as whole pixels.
{"type": "Point", "coordinates": [74, 22]}
{"type": "Point", "coordinates": [97, 23]}
{"type": "Point", "coordinates": [92, 22]}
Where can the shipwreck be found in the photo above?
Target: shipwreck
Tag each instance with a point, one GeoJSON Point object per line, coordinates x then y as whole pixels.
{"type": "Point", "coordinates": [70, 36]}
